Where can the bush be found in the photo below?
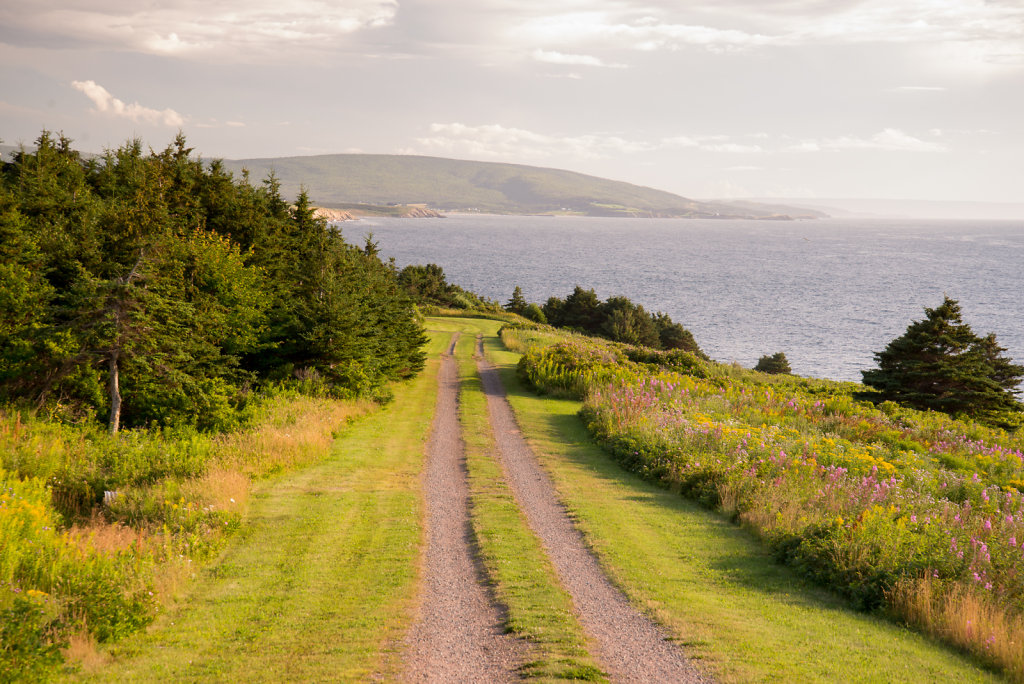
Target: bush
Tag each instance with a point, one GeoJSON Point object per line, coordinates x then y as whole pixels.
{"type": "Point", "coordinates": [59, 586]}
{"type": "Point", "coordinates": [618, 319]}
{"type": "Point", "coordinates": [30, 635]}
{"type": "Point", "coordinates": [776, 364]}
{"type": "Point", "coordinates": [534, 313]}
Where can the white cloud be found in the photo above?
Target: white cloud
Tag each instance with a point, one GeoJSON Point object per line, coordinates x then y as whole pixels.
{"type": "Point", "coordinates": [889, 140]}
{"type": "Point", "coordinates": [573, 75]}
{"type": "Point", "coordinates": [552, 57]}
{"type": "Point", "coordinates": [645, 33]}
{"type": "Point", "coordinates": [710, 143]}
{"type": "Point", "coordinates": [918, 89]}
{"type": "Point", "coordinates": [913, 21]}
{"type": "Point", "coordinates": [108, 104]}
{"type": "Point", "coordinates": [733, 148]}
{"type": "Point", "coordinates": [495, 140]}
{"type": "Point", "coordinates": [232, 28]}
{"type": "Point", "coordinates": [682, 141]}
{"type": "Point", "coordinates": [498, 141]}
{"type": "Point", "coordinates": [974, 31]}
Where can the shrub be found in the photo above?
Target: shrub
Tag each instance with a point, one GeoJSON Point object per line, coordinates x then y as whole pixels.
{"type": "Point", "coordinates": [776, 364]}
{"type": "Point", "coordinates": [534, 313]}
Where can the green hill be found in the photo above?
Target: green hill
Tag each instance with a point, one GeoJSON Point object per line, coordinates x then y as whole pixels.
{"type": "Point", "coordinates": [367, 183]}
{"type": "Point", "coordinates": [337, 180]}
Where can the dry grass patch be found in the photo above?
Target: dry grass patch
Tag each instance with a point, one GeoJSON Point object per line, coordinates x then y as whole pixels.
{"type": "Point", "coordinates": [83, 650]}
{"type": "Point", "coordinates": [965, 618]}
{"type": "Point", "coordinates": [295, 432]}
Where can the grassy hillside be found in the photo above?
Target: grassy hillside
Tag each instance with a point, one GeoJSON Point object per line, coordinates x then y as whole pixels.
{"type": "Point", "coordinates": [450, 184]}
{"type": "Point", "coordinates": [394, 185]}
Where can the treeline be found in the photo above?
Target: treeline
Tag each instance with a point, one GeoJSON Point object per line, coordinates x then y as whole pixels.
{"type": "Point", "coordinates": [155, 289]}
{"type": "Point", "coordinates": [617, 319]}
{"type": "Point", "coordinates": [429, 287]}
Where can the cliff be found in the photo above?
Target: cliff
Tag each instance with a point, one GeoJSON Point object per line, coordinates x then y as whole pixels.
{"type": "Point", "coordinates": [353, 212]}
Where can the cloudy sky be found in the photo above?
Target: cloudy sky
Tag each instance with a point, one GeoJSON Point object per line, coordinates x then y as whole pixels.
{"type": "Point", "coordinates": [919, 99]}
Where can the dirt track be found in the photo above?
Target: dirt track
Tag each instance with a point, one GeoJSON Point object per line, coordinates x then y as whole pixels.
{"type": "Point", "coordinates": [630, 647]}
{"type": "Point", "coordinates": [459, 634]}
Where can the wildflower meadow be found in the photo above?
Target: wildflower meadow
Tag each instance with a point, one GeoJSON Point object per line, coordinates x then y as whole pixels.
{"type": "Point", "coordinates": [913, 513]}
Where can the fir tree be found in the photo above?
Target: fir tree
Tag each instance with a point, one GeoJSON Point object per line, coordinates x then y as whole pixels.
{"type": "Point", "coordinates": [673, 335]}
{"type": "Point", "coordinates": [624, 321]}
{"type": "Point", "coordinates": [152, 290]}
{"type": "Point", "coordinates": [518, 302]}
{"type": "Point", "coordinates": [581, 311]}
{"type": "Point", "coordinates": [940, 364]}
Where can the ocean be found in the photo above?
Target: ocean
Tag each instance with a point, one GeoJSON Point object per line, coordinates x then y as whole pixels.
{"type": "Point", "coordinates": [829, 293]}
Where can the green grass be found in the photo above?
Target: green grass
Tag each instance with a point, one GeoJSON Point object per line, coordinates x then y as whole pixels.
{"type": "Point", "coordinates": [524, 581]}
{"type": "Point", "coordinates": [320, 585]}
{"type": "Point", "coordinates": [711, 583]}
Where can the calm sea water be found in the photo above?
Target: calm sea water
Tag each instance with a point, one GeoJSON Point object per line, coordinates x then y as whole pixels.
{"type": "Point", "coordinates": [828, 293]}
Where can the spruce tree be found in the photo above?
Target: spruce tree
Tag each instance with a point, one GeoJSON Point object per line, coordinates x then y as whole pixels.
{"type": "Point", "coordinates": [673, 335]}
{"type": "Point", "coordinates": [150, 289]}
{"type": "Point", "coordinates": [581, 311]}
{"type": "Point", "coordinates": [624, 321]}
{"type": "Point", "coordinates": [518, 302]}
{"type": "Point", "coordinates": [940, 364]}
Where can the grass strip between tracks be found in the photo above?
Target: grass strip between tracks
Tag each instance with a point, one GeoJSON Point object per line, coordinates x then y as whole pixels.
{"type": "Point", "coordinates": [711, 583]}
{"type": "Point", "coordinates": [524, 581]}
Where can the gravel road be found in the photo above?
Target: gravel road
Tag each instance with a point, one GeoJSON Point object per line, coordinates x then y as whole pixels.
{"type": "Point", "coordinates": [629, 646]}
{"type": "Point", "coordinates": [459, 634]}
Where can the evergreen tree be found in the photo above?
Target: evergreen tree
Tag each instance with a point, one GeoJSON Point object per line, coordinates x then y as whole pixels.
{"type": "Point", "coordinates": [940, 364]}
{"type": "Point", "coordinates": [426, 284]}
{"type": "Point", "coordinates": [553, 310]}
{"type": "Point", "coordinates": [624, 321]}
{"type": "Point", "coordinates": [618, 319]}
{"type": "Point", "coordinates": [776, 364]}
{"type": "Point", "coordinates": [150, 289]}
{"type": "Point", "coordinates": [673, 335]}
{"type": "Point", "coordinates": [518, 303]}
{"type": "Point", "coordinates": [24, 294]}
{"type": "Point", "coordinates": [581, 311]}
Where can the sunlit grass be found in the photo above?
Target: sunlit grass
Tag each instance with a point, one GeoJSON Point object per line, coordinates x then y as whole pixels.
{"type": "Point", "coordinates": [712, 583]}
{"type": "Point", "coordinates": [524, 581]}
{"type": "Point", "coordinates": [320, 583]}
{"type": "Point", "coordinates": [868, 501]}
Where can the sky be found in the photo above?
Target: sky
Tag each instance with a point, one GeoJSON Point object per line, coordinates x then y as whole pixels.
{"type": "Point", "coordinates": [913, 99]}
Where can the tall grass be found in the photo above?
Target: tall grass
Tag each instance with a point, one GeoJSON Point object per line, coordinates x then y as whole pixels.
{"type": "Point", "coordinates": [914, 513]}
{"type": "Point", "coordinates": [96, 531]}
